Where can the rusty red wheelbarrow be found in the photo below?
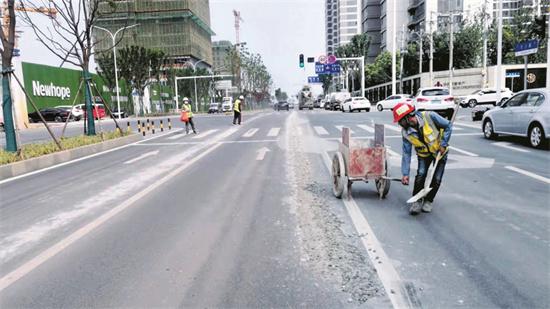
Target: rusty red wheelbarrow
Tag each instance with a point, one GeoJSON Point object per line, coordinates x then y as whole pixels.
{"type": "Point", "coordinates": [361, 160]}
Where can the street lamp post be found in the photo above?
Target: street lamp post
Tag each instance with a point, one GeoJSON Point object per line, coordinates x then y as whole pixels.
{"type": "Point", "coordinates": [499, 50]}
{"type": "Point", "coordinates": [113, 36]}
{"type": "Point", "coordinates": [195, 82]}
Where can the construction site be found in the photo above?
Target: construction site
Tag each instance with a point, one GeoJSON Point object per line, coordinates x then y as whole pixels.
{"type": "Point", "coordinates": [180, 28]}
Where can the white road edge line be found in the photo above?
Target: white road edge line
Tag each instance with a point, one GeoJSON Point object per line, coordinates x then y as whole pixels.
{"type": "Point", "coordinates": [507, 146]}
{"type": "Point", "coordinates": [386, 272]}
{"type": "Point", "coordinates": [143, 156]}
{"type": "Point", "coordinates": [527, 173]}
{"type": "Point", "coordinates": [84, 158]}
{"type": "Point", "coordinates": [45, 255]}
{"type": "Point", "coordinates": [471, 154]}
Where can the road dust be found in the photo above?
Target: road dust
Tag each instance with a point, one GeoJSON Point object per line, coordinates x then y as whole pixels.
{"type": "Point", "coordinates": [326, 247]}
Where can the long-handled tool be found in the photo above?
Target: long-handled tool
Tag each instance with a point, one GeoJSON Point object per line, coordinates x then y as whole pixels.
{"type": "Point", "coordinates": [429, 176]}
{"type": "Point", "coordinates": [431, 170]}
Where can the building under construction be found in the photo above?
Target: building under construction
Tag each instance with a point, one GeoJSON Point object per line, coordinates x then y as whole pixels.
{"type": "Point", "coordinates": [180, 28]}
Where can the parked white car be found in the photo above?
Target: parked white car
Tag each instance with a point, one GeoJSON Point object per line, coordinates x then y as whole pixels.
{"type": "Point", "coordinates": [485, 96]}
{"type": "Point", "coordinates": [435, 99]}
{"type": "Point", "coordinates": [356, 104]}
{"type": "Point", "coordinates": [392, 100]}
{"type": "Point", "coordinates": [525, 114]}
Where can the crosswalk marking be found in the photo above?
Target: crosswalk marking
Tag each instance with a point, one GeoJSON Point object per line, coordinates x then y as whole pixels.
{"type": "Point", "coordinates": [458, 123]}
{"type": "Point", "coordinates": [366, 128]}
{"type": "Point", "coordinates": [464, 151]}
{"type": "Point", "coordinates": [250, 132]}
{"type": "Point", "coordinates": [273, 132]}
{"type": "Point", "coordinates": [393, 128]}
{"type": "Point", "coordinates": [176, 136]}
{"type": "Point", "coordinates": [205, 133]}
{"type": "Point", "coordinates": [507, 146]}
{"type": "Point", "coordinates": [320, 130]}
{"type": "Point", "coordinates": [341, 127]}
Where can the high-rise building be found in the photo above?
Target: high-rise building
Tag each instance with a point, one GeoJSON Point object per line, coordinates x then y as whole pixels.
{"type": "Point", "coordinates": [349, 19]}
{"type": "Point", "coordinates": [331, 26]}
{"type": "Point", "coordinates": [220, 51]}
{"type": "Point", "coordinates": [372, 26]}
{"type": "Point", "coordinates": [179, 28]}
{"type": "Point", "coordinates": [342, 22]}
{"type": "Point", "coordinates": [512, 7]}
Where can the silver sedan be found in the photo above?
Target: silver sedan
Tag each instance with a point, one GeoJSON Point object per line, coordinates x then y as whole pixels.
{"type": "Point", "coordinates": [525, 114]}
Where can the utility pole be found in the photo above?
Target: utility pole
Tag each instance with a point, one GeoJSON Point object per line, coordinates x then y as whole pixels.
{"type": "Point", "coordinates": [548, 49]}
{"type": "Point", "coordinates": [499, 50]}
{"type": "Point", "coordinates": [401, 58]}
{"type": "Point", "coordinates": [393, 48]}
{"type": "Point", "coordinates": [484, 64]}
{"type": "Point", "coordinates": [431, 36]}
{"type": "Point", "coordinates": [451, 15]}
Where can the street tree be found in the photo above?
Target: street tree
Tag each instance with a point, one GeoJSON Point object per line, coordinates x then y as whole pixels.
{"type": "Point", "coordinates": [138, 65]}
{"type": "Point", "coordinates": [7, 35]}
{"type": "Point", "coordinates": [69, 36]}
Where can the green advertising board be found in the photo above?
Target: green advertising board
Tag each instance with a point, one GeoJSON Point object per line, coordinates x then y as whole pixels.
{"type": "Point", "coordinates": [51, 86]}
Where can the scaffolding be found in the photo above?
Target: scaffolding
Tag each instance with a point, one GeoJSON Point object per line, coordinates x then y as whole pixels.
{"type": "Point", "coordinates": [180, 28]}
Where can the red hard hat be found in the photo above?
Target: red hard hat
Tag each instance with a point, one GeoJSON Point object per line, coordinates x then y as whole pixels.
{"type": "Point", "coordinates": [401, 110]}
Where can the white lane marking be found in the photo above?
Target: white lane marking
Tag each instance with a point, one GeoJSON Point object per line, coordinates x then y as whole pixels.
{"type": "Point", "coordinates": [299, 131]}
{"type": "Point", "coordinates": [391, 281]}
{"type": "Point", "coordinates": [176, 136]}
{"type": "Point", "coordinates": [507, 146]}
{"type": "Point", "coordinates": [527, 173]}
{"type": "Point", "coordinates": [320, 130]}
{"type": "Point", "coordinates": [393, 128]}
{"type": "Point", "coordinates": [273, 132]}
{"type": "Point", "coordinates": [468, 125]}
{"type": "Point", "coordinates": [471, 154]}
{"type": "Point", "coordinates": [261, 153]}
{"type": "Point", "coordinates": [397, 136]}
{"type": "Point", "coordinates": [342, 127]}
{"type": "Point", "coordinates": [143, 156]}
{"type": "Point", "coordinates": [457, 129]}
{"type": "Point", "coordinates": [205, 133]}
{"type": "Point", "coordinates": [47, 254]}
{"type": "Point", "coordinates": [84, 158]}
{"type": "Point", "coordinates": [250, 132]}
{"type": "Point", "coordinates": [366, 128]}
{"type": "Point", "coordinates": [205, 142]}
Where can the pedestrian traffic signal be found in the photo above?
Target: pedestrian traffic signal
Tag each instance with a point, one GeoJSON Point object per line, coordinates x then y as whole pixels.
{"type": "Point", "coordinates": [301, 58]}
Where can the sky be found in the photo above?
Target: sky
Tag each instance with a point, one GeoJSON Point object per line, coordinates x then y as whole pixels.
{"type": "Point", "coordinates": [279, 30]}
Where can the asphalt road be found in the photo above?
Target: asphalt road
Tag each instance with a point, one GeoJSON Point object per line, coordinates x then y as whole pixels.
{"type": "Point", "coordinates": [243, 216]}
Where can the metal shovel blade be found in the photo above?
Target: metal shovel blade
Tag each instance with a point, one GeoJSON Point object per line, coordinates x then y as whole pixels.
{"type": "Point", "coordinates": [427, 182]}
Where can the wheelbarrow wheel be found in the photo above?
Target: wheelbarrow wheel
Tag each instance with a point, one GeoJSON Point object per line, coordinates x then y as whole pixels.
{"type": "Point", "coordinates": [383, 185]}
{"type": "Point", "coordinates": [339, 179]}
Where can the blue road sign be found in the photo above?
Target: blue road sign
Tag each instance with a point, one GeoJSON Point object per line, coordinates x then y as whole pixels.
{"type": "Point", "coordinates": [313, 79]}
{"type": "Point", "coordinates": [526, 48]}
{"type": "Point", "coordinates": [512, 74]}
{"type": "Point", "coordinates": [333, 68]}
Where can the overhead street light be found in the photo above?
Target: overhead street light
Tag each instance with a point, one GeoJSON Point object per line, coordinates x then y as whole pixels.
{"type": "Point", "coordinates": [113, 37]}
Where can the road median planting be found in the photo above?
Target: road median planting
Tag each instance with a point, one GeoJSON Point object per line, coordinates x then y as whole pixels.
{"type": "Point", "coordinates": [37, 156]}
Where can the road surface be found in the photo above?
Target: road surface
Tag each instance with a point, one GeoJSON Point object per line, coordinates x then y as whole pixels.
{"type": "Point", "coordinates": [243, 216]}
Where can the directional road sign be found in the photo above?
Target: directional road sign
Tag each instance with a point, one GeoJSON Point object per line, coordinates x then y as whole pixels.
{"type": "Point", "coordinates": [526, 48]}
{"type": "Point", "coordinates": [512, 74]}
{"type": "Point", "coordinates": [313, 80]}
{"type": "Point", "coordinates": [327, 68]}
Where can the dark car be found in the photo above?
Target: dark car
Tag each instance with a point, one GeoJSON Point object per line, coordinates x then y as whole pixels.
{"type": "Point", "coordinates": [479, 110]}
{"type": "Point", "coordinates": [50, 114]}
{"type": "Point", "coordinates": [283, 105]}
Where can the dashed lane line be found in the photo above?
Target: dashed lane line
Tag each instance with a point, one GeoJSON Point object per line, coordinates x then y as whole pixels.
{"type": "Point", "coordinates": [528, 174]}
